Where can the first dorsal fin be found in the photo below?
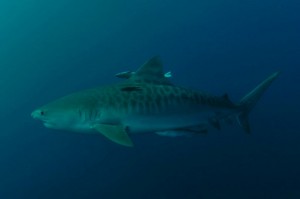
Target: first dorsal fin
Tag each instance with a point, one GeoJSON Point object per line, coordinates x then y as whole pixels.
{"type": "Point", "coordinates": [150, 72]}
{"type": "Point", "coordinates": [152, 67]}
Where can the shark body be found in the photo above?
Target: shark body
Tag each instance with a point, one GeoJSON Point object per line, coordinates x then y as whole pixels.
{"type": "Point", "coordinates": [147, 102]}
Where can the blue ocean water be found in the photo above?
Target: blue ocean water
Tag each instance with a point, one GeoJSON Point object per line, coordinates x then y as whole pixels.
{"type": "Point", "coordinates": [51, 48]}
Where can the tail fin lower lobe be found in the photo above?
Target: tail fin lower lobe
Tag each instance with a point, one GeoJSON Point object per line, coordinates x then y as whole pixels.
{"type": "Point", "coordinates": [248, 102]}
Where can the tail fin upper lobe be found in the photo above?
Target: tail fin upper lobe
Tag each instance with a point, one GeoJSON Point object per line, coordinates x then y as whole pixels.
{"type": "Point", "coordinates": [249, 101]}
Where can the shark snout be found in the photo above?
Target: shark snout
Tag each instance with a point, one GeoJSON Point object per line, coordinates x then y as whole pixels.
{"type": "Point", "coordinates": [40, 115]}
{"type": "Point", "coordinates": [37, 114]}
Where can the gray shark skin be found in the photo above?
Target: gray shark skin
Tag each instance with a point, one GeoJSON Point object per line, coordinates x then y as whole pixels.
{"type": "Point", "coordinates": [146, 102]}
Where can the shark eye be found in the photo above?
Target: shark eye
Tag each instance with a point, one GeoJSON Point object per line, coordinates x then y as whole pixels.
{"type": "Point", "coordinates": [42, 113]}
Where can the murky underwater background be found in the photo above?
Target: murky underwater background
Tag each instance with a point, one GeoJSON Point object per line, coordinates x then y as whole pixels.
{"type": "Point", "coordinates": [51, 48]}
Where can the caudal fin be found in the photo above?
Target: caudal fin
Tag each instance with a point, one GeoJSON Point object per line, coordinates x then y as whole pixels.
{"type": "Point", "coordinates": [248, 102]}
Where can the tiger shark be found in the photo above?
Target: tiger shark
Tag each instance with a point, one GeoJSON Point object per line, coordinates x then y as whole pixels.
{"type": "Point", "coordinates": [147, 102]}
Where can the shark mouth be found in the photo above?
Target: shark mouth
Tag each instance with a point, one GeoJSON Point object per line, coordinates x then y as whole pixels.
{"type": "Point", "coordinates": [47, 124]}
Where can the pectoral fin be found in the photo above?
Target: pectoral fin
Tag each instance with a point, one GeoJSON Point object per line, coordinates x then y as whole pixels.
{"type": "Point", "coordinates": [115, 133]}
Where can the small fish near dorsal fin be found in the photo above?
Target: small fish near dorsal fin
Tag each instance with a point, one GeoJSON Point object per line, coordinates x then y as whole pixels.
{"type": "Point", "coordinates": [150, 72]}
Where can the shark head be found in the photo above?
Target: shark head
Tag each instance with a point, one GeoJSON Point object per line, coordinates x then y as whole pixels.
{"type": "Point", "coordinates": [66, 114]}
{"type": "Point", "coordinates": [55, 117]}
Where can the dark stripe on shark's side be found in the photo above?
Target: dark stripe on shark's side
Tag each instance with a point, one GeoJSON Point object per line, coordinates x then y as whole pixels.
{"type": "Point", "coordinates": [150, 98]}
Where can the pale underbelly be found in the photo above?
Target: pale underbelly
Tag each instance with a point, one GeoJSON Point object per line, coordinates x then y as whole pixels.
{"type": "Point", "coordinates": [144, 124]}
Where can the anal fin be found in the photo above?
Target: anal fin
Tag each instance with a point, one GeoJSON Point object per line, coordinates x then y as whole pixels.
{"type": "Point", "coordinates": [115, 133]}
